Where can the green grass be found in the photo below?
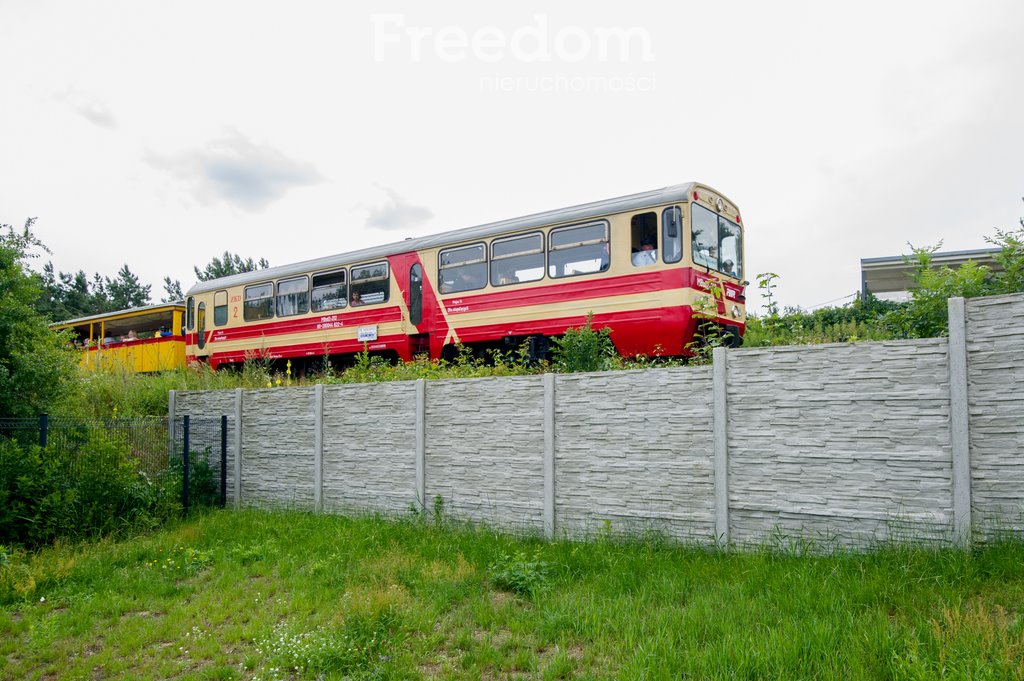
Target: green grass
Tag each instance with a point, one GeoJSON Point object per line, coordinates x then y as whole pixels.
{"type": "Point", "coordinates": [296, 595]}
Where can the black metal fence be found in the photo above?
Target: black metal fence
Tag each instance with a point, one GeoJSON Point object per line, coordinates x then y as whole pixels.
{"type": "Point", "coordinates": [205, 469]}
{"type": "Point", "coordinates": [155, 446]}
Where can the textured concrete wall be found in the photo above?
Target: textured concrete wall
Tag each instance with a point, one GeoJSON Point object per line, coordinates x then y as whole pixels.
{"type": "Point", "coordinates": [369, 457]}
{"type": "Point", "coordinates": [995, 375]}
{"type": "Point", "coordinates": [634, 451]}
{"type": "Point", "coordinates": [277, 447]}
{"type": "Point", "coordinates": [485, 449]}
{"type": "Point", "coordinates": [208, 407]}
{"type": "Point", "coordinates": [840, 442]}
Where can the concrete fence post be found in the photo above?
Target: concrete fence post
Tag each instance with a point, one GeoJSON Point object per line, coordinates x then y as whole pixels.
{"type": "Point", "coordinates": [721, 432]}
{"type": "Point", "coordinates": [959, 418]}
{"type": "Point", "coordinates": [318, 447]}
{"type": "Point", "coordinates": [238, 448]}
{"type": "Point", "coordinates": [549, 455]}
{"type": "Point", "coordinates": [421, 444]}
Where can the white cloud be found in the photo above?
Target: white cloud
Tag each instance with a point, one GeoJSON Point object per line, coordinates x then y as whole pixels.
{"type": "Point", "coordinates": [90, 108]}
{"type": "Point", "coordinates": [395, 213]}
{"type": "Point", "coordinates": [237, 171]}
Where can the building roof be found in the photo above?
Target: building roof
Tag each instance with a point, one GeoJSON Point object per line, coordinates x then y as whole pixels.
{"type": "Point", "coordinates": [892, 274]}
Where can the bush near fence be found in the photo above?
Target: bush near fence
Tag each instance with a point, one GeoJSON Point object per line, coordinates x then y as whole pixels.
{"type": "Point", "coordinates": [96, 478]}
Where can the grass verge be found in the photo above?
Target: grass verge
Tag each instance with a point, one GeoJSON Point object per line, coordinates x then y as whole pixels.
{"type": "Point", "coordinates": [294, 595]}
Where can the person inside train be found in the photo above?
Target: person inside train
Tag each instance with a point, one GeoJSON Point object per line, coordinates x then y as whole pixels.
{"type": "Point", "coordinates": [647, 255]}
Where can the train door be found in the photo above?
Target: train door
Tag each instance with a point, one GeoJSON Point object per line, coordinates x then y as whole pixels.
{"type": "Point", "coordinates": [416, 294]}
{"type": "Point", "coordinates": [201, 326]}
{"type": "Point", "coordinates": [420, 341]}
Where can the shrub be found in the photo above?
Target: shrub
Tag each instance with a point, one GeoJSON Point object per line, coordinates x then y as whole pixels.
{"type": "Point", "coordinates": [90, 489]}
{"type": "Point", "coordinates": [203, 486]}
{"type": "Point", "coordinates": [519, 572]}
{"type": "Point", "coordinates": [584, 348]}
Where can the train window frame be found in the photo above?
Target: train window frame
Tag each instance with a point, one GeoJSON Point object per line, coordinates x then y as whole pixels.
{"type": "Point", "coordinates": [361, 284]}
{"type": "Point", "coordinates": [458, 269]}
{"type": "Point", "coordinates": [604, 257]}
{"type": "Point", "coordinates": [643, 229]}
{"type": "Point", "coordinates": [190, 313]}
{"type": "Point", "coordinates": [220, 310]}
{"type": "Point", "coordinates": [317, 305]}
{"type": "Point", "coordinates": [251, 306]}
{"type": "Point", "coordinates": [667, 240]}
{"type": "Point", "coordinates": [511, 276]}
{"type": "Point", "coordinates": [300, 298]}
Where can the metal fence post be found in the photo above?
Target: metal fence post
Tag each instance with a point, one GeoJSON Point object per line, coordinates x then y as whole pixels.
{"type": "Point", "coordinates": [44, 427]}
{"type": "Point", "coordinates": [185, 475]}
{"type": "Point", "coordinates": [223, 460]}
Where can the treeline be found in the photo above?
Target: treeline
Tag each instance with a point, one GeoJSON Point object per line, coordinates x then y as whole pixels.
{"type": "Point", "coordinates": [70, 295]}
{"type": "Point", "coordinates": [37, 372]}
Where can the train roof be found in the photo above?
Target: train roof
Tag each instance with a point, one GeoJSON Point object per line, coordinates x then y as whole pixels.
{"type": "Point", "coordinates": [678, 192]}
{"type": "Point", "coordinates": [131, 312]}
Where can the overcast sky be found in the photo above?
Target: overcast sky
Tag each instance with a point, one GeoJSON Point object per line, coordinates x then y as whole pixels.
{"type": "Point", "coordinates": [162, 134]}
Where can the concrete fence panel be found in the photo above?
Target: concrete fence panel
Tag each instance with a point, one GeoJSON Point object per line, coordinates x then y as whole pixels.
{"type": "Point", "coordinates": [847, 443]}
{"type": "Point", "coordinates": [995, 371]}
{"type": "Point", "coordinates": [485, 449]}
{"type": "Point", "coordinates": [634, 451]}
{"type": "Point", "coordinates": [277, 447]}
{"type": "Point", "coordinates": [369, 457]}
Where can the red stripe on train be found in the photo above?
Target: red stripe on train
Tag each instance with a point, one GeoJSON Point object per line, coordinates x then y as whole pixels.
{"type": "Point", "coordinates": [645, 282]}
{"type": "Point", "coordinates": [304, 325]}
{"type": "Point", "coordinates": [392, 342]}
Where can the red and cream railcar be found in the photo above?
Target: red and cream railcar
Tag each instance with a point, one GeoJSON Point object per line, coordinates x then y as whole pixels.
{"type": "Point", "coordinates": [649, 266]}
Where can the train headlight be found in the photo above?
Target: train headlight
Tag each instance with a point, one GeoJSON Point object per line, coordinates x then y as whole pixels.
{"type": "Point", "coordinates": [735, 311]}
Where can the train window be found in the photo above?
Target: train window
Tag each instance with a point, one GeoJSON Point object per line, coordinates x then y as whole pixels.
{"type": "Point", "coordinates": [672, 234]}
{"type": "Point", "coordinates": [517, 259]}
{"type": "Point", "coordinates": [292, 296]}
{"type": "Point", "coordinates": [220, 308]}
{"type": "Point", "coordinates": [463, 268]}
{"type": "Point", "coordinates": [370, 284]}
{"type": "Point", "coordinates": [730, 248]}
{"type": "Point", "coordinates": [717, 242]}
{"type": "Point", "coordinates": [643, 231]}
{"type": "Point", "coordinates": [330, 291]}
{"type": "Point", "coordinates": [190, 314]}
{"type": "Point", "coordinates": [704, 225]}
{"type": "Point", "coordinates": [258, 302]}
{"type": "Point", "coordinates": [578, 250]}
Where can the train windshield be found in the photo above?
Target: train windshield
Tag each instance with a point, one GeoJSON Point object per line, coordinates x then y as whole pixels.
{"type": "Point", "coordinates": [717, 242]}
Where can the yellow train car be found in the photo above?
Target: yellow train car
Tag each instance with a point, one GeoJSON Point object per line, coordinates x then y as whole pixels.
{"type": "Point", "coordinates": [142, 339]}
{"type": "Point", "coordinates": [652, 267]}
